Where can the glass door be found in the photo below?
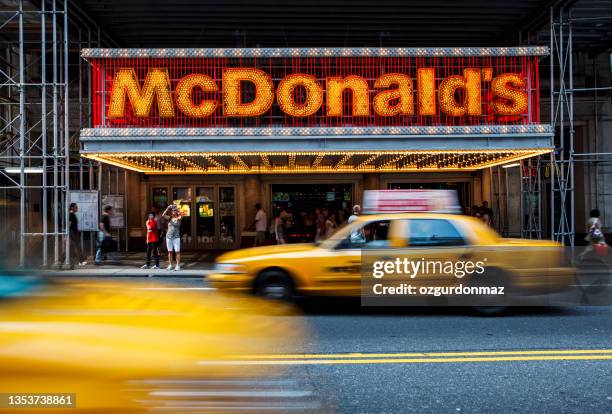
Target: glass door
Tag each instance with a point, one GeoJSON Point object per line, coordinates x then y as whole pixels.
{"type": "Point", "coordinates": [227, 217]}
{"type": "Point", "coordinates": [206, 213]}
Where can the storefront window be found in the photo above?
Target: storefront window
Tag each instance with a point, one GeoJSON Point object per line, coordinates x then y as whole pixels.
{"type": "Point", "coordinates": [227, 214]}
{"type": "Point", "coordinates": [205, 216]}
{"type": "Point", "coordinates": [160, 198]}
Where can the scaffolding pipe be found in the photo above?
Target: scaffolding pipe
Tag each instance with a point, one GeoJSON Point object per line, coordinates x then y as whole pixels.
{"type": "Point", "coordinates": [552, 121]}
{"type": "Point", "coordinates": [561, 229]}
{"type": "Point", "coordinates": [22, 97]}
{"type": "Point", "coordinates": [66, 136]}
{"type": "Point", "coordinates": [56, 253]}
{"type": "Point", "coordinates": [43, 108]}
{"type": "Point", "coordinates": [522, 198]}
{"type": "Point", "coordinates": [89, 114]}
{"type": "Point", "coordinates": [571, 128]}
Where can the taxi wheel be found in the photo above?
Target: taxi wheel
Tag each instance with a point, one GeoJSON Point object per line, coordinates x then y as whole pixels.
{"type": "Point", "coordinates": [274, 284]}
{"type": "Point", "coordinates": [498, 306]}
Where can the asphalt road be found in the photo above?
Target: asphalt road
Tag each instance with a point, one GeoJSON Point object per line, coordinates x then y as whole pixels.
{"type": "Point", "coordinates": [442, 360]}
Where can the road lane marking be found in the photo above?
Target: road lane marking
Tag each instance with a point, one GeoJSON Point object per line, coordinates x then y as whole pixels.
{"type": "Point", "coordinates": [427, 354]}
{"type": "Point", "coordinates": [409, 360]}
{"type": "Point", "coordinates": [418, 357]}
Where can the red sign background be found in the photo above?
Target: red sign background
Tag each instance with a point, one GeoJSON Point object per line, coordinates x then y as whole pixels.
{"type": "Point", "coordinates": [370, 68]}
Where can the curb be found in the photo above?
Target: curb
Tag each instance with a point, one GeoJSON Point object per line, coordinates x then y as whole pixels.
{"type": "Point", "coordinates": [161, 274]}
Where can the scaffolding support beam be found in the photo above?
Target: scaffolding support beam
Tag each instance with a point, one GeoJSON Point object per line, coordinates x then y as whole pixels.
{"type": "Point", "coordinates": [38, 89]}
{"type": "Point", "coordinates": [562, 181]}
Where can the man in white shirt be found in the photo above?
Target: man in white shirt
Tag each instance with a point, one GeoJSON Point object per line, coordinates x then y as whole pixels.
{"type": "Point", "coordinates": [261, 225]}
{"type": "Point", "coordinates": [357, 235]}
{"type": "Point", "coordinates": [356, 212]}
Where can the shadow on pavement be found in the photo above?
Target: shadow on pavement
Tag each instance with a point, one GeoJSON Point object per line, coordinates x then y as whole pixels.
{"type": "Point", "coordinates": [352, 306]}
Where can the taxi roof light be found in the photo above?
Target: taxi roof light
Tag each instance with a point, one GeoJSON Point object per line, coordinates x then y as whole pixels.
{"type": "Point", "coordinates": [410, 201]}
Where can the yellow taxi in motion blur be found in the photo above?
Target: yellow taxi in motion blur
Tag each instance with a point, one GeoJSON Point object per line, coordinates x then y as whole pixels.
{"type": "Point", "coordinates": [134, 348]}
{"type": "Point", "coordinates": [334, 266]}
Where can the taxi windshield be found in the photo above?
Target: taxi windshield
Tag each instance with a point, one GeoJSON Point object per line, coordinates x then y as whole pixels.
{"type": "Point", "coordinates": [341, 234]}
{"type": "Point", "coordinates": [360, 234]}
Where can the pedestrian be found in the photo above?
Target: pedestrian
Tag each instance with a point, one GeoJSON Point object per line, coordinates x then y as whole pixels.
{"type": "Point", "coordinates": [76, 252]}
{"type": "Point", "coordinates": [161, 228]}
{"type": "Point", "coordinates": [152, 242]}
{"type": "Point", "coordinates": [173, 235]}
{"type": "Point", "coordinates": [106, 244]}
{"type": "Point", "coordinates": [595, 237]}
{"type": "Point", "coordinates": [357, 236]}
{"type": "Point", "coordinates": [320, 223]}
{"type": "Point", "coordinates": [476, 211]}
{"type": "Point", "coordinates": [356, 212]}
{"type": "Point", "coordinates": [279, 232]}
{"type": "Point", "coordinates": [486, 213]}
{"type": "Point", "coordinates": [330, 225]}
{"type": "Point", "coordinates": [261, 224]}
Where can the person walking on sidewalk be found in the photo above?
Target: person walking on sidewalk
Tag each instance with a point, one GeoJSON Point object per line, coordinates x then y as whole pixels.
{"type": "Point", "coordinates": [173, 235]}
{"type": "Point", "coordinates": [279, 233]}
{"type": "Point", "coordinates": [152, 242]}
{"type": "Point", "coordinates": [595, 238]}
{"type": "Point", "coordinates": [106, 244]}
{"type": "Point", "coordinates": [76, 253]}
{"type": "Point", "coordinates": [261, 224]}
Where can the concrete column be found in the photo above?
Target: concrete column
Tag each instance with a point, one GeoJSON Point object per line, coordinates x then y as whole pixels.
{"type": "Point", "coordinates": [136, 209]}
{"type": "Point", "coordinates": [477, 189]}
{"type": "Point", "coordinates": [371, 181]}
{"type": "Point", "coordinates": [514, 202]}
{"type": "Point", "coordinates": [486, 185]}
{"type": "Point", "coordinates": [253, 194]}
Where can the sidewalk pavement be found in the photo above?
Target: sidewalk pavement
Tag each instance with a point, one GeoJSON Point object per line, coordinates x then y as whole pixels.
{"type": "Point", "coordinates": [193, 264]}
{"type": "Point", "coordinates": [115, 271]}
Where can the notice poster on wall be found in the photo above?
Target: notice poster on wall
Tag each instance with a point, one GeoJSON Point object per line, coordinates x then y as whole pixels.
{"type": "Point", "coordinates": [116, 202]}
{"type": "Point", "coordinates": [87, 214]}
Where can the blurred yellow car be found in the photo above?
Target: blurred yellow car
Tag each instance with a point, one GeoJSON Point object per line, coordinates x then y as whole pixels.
{"type": "Point", "coordinates": [126, 348]}
{"type": "Point", "coordinates": [334, 266]}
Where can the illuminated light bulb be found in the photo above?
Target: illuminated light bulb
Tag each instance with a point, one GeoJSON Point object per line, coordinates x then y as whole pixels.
{"type": "Point", "coordinates": [470, 83]}
{"type": "Point", "coordinates": [286, 90]}
{"type": "Point", "coordinates": [156, 86]}
{"type": "Point", "coordinates": [232, 92]}
{"type": "Point", "coordinates": [184, 91]}
{"type": "Point", "coordinates": [359, 88]}
{"type": "Point", "coordinates": [403, 93]}
{"type": "Point", "coordinates": [426, 91]}
{"type": "Point", "coordinates": [509, 96]}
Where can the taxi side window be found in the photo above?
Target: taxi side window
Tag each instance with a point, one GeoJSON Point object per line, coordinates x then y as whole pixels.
{"type": "Point", "coordinates": [372, 235]}
{"type": "Point", "coordinates": [433, 232]}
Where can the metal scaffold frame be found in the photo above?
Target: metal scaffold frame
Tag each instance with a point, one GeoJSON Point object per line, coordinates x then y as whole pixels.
{"type": "Point", "coordinates": [39, 150]}
{"type": "Point", "coordinates": [562, 179]}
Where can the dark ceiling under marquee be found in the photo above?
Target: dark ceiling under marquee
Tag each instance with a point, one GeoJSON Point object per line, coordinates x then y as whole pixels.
{"type": "Point", "coordinates": [289, 23]}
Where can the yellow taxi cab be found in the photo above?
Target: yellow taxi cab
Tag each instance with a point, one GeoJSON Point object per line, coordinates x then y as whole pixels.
{"type": "Point", "coordinates": [334, 266]}
{"type": "Point", "coordinates": [104, 347]}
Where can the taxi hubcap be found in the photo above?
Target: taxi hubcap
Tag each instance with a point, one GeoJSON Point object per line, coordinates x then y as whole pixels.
{"type": "Point", "coordinates": [275, 291]}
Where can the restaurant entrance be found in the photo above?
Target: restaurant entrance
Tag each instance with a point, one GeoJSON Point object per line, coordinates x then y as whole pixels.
{"type": "Point", "coordinates": [299, 202]}
{"type": "Point", "coordinates": [209, 213]}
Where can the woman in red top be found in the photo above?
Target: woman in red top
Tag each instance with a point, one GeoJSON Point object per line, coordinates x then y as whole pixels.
{"type": "Point", "coordinates": [152, 241]}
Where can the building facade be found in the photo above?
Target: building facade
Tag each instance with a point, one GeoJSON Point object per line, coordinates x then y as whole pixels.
{"type": "Point", "coordinates": [58, 143]}
{"type": "Point", "coordinates": [216, 131]}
